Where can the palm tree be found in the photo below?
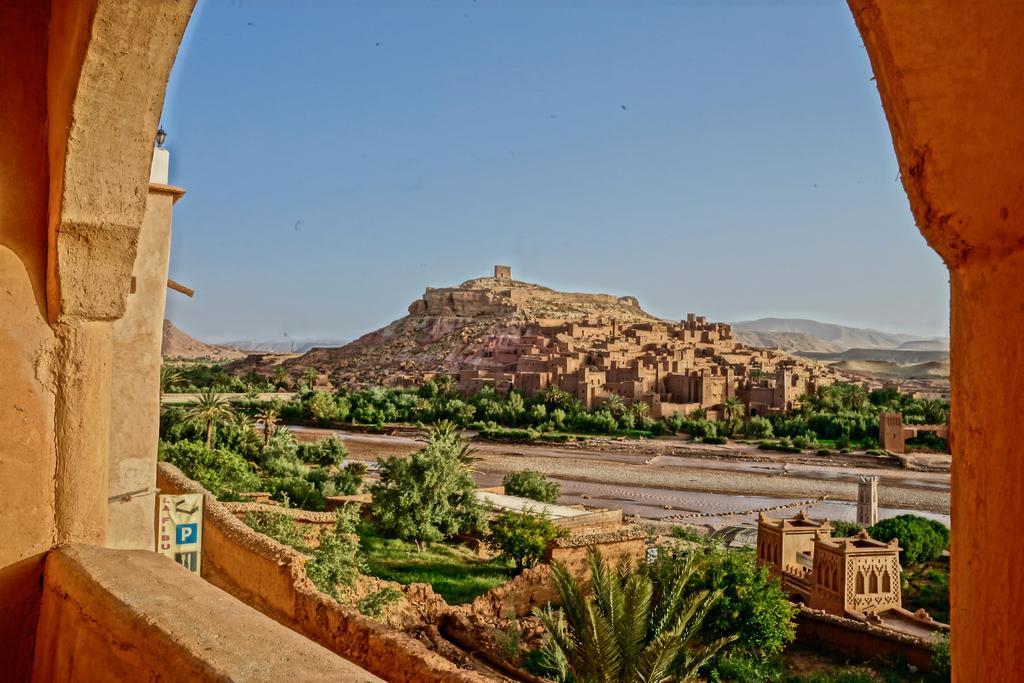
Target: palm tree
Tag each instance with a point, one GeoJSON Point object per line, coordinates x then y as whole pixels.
{"type": "Point", "coordinates": [280, 377]}
{"type": "Point", "coordinates": [168, 378]}
{"type": "Point", "coordinates": [447, 432]}
{"type": "Point", "coordinates": [208, 408]}
{"type": "Point", "coordinates": [614, 405]}
{"type": "Point", "coordinates": [631, 628]}
{"type": "Point", "coordinates": [309, 376]}
{"type": "Point", "coordinates": [268, 416]}
{"type": "Point", "coordinates": [445, 385]}
{"type": "Point", "coordinates": [732, 408]}
{"type": "Point", "coordinates": [640, 410]}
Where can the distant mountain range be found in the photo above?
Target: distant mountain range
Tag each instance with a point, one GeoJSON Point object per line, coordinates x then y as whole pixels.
{"type": "Point", "coordinates": [798, 335]}
{"type": "Point", "coordinates": [285, 345]}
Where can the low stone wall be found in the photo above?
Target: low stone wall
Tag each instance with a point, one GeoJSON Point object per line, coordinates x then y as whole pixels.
{"type": "Point", "coordinates": [271, 578]}
{"type": "Point", "coordinates": [309, 523]}
{"type": "Point", "coordinates": [133, 615]}
{"type": "Point", "coordinates": [859, 638]}
{"type": "Point", "coordinates": [626, 542]}
{"type": "Point", "coordinates": [592, 522]}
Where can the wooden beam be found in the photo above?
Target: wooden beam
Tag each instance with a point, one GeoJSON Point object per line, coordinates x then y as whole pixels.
{"type": "Point", "coordinates": [178, 287]}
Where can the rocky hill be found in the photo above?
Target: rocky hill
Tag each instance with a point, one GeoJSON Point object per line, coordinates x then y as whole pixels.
{"type": "Point", "coordinates": [451, 328]}
{"type": "Point", "coordinates": [177, 345]}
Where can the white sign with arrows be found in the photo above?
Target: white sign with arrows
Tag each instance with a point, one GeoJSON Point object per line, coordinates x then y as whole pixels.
{"type": "Point", "coordinates": [180, 528]}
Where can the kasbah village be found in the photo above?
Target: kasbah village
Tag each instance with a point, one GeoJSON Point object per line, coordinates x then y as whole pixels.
{"type": "Point", "coordinates": [508, 482]}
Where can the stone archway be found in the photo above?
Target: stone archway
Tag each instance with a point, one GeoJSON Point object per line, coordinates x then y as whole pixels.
{"type": "Point", "coordinates": [83, 86]}
{"type": "Point", "coordinates": [86, 79]}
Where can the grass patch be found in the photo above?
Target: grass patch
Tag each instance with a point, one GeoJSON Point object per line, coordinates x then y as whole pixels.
{"type": "Point", "coordinates": [454, 571]}
{"type": "Point", "coordinates": [927, 585]}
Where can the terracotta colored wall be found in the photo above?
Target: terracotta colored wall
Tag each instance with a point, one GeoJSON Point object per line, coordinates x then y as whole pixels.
{"type": "Point", "coordinates": [950, 81]}
{"type": "Point", "coordinates": [82, 85]}
{"type": "Point", "coordinates": [135, 382]}
{"type": "Point", "coordinates": [858, 639]}
{"type": "Point", "coordinates": [270, 577]}
{"type": "Point", "coordinates": [27, 453]}
{"type": "Point", "coordinates": [134, 615]}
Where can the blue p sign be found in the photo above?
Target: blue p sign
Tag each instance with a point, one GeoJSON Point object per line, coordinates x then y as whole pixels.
{"type": "Point", "coordinates": [186, 534]}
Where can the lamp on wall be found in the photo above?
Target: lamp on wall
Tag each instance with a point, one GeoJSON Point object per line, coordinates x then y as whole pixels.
{"type": "Point", "coordinates": [161, 135]}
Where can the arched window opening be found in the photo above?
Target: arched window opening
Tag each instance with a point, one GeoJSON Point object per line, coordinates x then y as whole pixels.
{"type": "Point", "coordinates": [860, 582]}
{"type": "Point", "coordinates": [873, 583]}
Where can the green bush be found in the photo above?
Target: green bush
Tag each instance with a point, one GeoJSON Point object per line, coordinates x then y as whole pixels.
{"type": "Point", "coordinates": [278, 526]}
{"type": "Point", "coordinates": [337, 560]}
{"type": "Point", "coordinates": [753, 607]}
{"type": "Point", "coordinates": [531, 484]}
{"type": "Point", "coordinates": [374, 604]}
{"type": "Point", "coordinates": [921, 539]}
{"type": "Point", "coordinates": [758, 427]}
{"type": "Point", "coordinates": [506, 434]}
{"type": "Point", "coordinates": [223, 473]}
{"type": "Point", "coordinates": [522, 537]}
{"type": "Point", "coordinates": [841, 529]}
{"type": "Point", "coordinates": [717, 440]}
{"type": "Point", "coordinates": [325, 452]}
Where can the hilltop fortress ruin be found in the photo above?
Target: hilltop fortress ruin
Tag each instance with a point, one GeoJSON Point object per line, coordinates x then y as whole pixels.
{"type": "Point", "coordinates": [516, 335]}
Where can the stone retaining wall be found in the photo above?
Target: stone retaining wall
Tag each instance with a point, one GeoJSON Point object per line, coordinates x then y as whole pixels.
{"type": "Point", "coordinates": [271, 578]}
{"type": "Point", "coordinates": [857, 637]}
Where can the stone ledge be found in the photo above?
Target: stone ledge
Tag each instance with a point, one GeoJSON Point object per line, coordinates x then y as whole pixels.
{"type": "Point", "coordinates": [136, 615]}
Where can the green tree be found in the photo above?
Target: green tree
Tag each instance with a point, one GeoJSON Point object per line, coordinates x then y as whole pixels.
{"type": "Point", "coordinates": [208, 409]}
{"type": "Point", "coordinates": [732, 411]}
{"type": "Point", "coordinates": [522, 537]}
{"type": "Point", "coordinates": [632, 627]}
{"type": "Point", "coordinates": [752, 607]}
{"type": "Point", "coordinates": [269, 418]}
{"type": "Point", "coordinates": [445, 385]}
{"type": "Point", "coordinates": [430, 495]}
{"type": "Point", "coordinates": [614, 405]}
{"type": "Point", "coordinates": [280, 377]}
{"type": "Point", "coordinates": [758, 427]}
{"type": "Point", "coordinates": [169, 378]}
{"type": "Point", "coordinates": [531, 484]}
{"type": "Point", "coordinates": [322, 406]}
{"type": "Point", "coordinates": [309, 376]}
{"type": "Point", "coordinates": [921, 539]}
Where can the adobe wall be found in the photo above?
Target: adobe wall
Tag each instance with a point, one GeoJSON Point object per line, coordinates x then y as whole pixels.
{"type": "Point", "coordinates": [28, 457]}
{"type": "Point", "coordinates": [134, 615]}
{"type": "Point", "coordinates": [271, 578]}
{"type": "Point", "coordinates": [135, 379]}
{"type": "Point", "coordinates": [859, 639]}
{"type": "Point", "coordinates": [82, 87]}
{"type": "Point", "coordinates": [950, 81]}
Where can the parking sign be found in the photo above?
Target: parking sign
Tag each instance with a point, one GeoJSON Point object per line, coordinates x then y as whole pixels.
{"type": "Point", "coordinates": [180, 528]}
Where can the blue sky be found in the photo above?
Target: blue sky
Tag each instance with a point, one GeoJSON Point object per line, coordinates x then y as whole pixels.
{"type": "Point", "coordinates": [730, 159]}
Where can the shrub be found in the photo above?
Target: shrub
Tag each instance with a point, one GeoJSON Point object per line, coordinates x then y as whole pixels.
{"type": "Point", "coordinates": [758, 427]}
{"type": "Point", "coordinates": [374, 604]}
{"type": "Point", "coordinates": [824, 451]}
{"type": "Point", "coordinates": [753, 607]}
{"type": "Point", "coordinates": [921, 539]}
{"type": "Point", "coordinates": [506, 434]}
{"type": "Point", "coordinates": [325, 452]}
{"type": "Point", "coordinates": [278, 526]}
{"type": "Point", "coordinates": [222, 472]}
{"type": "Point", "coordinates": [531, 484]}
{"type": "Point", "coordinates": [522, 537]}
{"type": "Point", "coordinates": [337, 560]}
{"type": "Point", "coordinates": [718, 440]}
{"type": "Point", "coordinates": [841, 529]}
{"type": "Point", "coordinates": [296, 491]}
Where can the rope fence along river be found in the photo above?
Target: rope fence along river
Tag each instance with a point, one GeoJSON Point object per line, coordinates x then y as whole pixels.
{"type": "Point", "coordinates": [785, 506]}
